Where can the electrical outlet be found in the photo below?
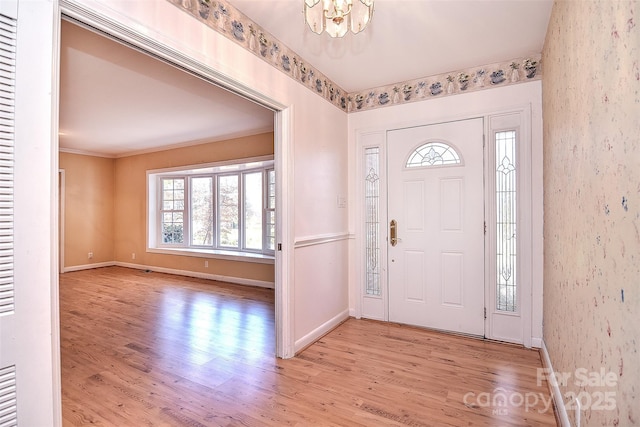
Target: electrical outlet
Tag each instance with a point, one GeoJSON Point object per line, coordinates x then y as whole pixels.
{"type": "Point", "coordinates": [90, 255]}
{"type": "Point", "coordinates": [133, 255]}
{"type": "Point", "coordinates": [206, 264]}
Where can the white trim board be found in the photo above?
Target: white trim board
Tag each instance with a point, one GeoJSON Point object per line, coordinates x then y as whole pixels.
{"type": "Point", "coordinates": [321, 331]}
{"type": "Point", "coordinates": [320, 239]}
{"type": "Point", "coordinates": [186, 273]}
{"type": "Point", "coordinates": [561, 411]}
{"type": "Point", "coordinates": [87, 266]}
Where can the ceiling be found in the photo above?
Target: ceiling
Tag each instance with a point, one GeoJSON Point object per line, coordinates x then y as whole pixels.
{"type": "Point", "coordinates": [117, 101]}
{"type": "Point", "coordinates": [410, 39]}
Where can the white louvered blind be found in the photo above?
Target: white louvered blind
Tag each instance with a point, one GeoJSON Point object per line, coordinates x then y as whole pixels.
{"type": "Point", "coordinates": [7, 109]}
{"type": "Point", "coordinates": [8, 401]}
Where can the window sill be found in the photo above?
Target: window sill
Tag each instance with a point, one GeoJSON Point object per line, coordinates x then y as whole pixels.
{"type": "Point", "coordinates": [217, 254]}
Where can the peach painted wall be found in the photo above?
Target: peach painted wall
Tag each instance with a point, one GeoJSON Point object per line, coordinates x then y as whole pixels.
{"type": "Point", "coordinates": [89, 208]}
{"type": "Point", "coordinates": [131, 211]}
{"type": "Point", "coordinates": [591, 104]}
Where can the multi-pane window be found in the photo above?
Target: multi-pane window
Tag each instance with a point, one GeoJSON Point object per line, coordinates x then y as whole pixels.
{"type": "Point", "coordinates": [202, 211]}
{"type": "Point", "coordinates": [228, 211]}
{"type": "Point", "coordinates": [253, 210]}
{"type": "Point", "coordinates": [216, 209]}
{"type": "Point", "coordinates": [172, 210]}
{"type": "Point", "coordinates": [270, 211]}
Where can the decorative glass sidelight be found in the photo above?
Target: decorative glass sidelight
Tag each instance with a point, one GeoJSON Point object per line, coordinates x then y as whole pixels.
{"type": "Point", "coordinates": [372, 220]}
{"type": "Point", "coordinates": [506, 221]}
{"type": "Point", "coordinates": [433, 154]}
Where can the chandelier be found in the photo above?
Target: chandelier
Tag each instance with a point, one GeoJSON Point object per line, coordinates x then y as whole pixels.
{"type": "Point", "coordinates": [337, 16]}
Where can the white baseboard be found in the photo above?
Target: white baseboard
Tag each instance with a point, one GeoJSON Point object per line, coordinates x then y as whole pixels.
{"type": "Point", "coordinates": [88, 266]}
{"type": "Point", "coordinates": [228, 279]}
{"type": "Point", "coordinates": [536, 342]}
{"type": "Point", "coordinates": [220, 278]}
{"type": "Point", "coordinates": [555, 389]}
{"type": "Point", "coordinates": [320, 331]}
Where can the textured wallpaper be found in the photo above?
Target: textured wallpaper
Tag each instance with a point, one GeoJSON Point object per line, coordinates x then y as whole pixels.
{"type": "Point", "coordinates": [591, 104]}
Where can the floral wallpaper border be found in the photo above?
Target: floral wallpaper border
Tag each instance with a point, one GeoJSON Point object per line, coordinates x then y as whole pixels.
{"type": "Point", "coordinates": [229, 21]}
{"type": "Point", "coordinates": [469, 80]}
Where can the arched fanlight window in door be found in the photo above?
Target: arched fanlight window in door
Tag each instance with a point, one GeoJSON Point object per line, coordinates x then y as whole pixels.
{"type": "Point", "coordinates": [434, 154]}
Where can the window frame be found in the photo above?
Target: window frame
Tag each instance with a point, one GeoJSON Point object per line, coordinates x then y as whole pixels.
{"type": "Point", "coordinates": [162, 211]}
{"type": "Point", "coordinates": [239, 168]}
{"type": "Point", "coordinates": [190, 210]}
{"type": "Point", "coordinates": [266, 236]}
{"type": "Point", "coordinates": [217, 211]}
{"type": "Point", "coordinates": [243, 209]}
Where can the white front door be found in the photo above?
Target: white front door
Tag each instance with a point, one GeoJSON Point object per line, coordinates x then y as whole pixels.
{"type": "Point", "coordinates": [436, 205]}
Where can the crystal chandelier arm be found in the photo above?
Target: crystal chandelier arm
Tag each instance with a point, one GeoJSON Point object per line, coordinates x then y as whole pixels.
{"type": "Point", "coordinates": [338, 13]}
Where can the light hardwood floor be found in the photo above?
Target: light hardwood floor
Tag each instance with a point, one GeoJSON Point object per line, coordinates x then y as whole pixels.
{"type": "Point", "coordinates": [152, 349]}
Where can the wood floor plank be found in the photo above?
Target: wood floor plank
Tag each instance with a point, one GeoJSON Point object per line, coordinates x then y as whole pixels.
{"type": "Point", "coordinates": [150, 349]}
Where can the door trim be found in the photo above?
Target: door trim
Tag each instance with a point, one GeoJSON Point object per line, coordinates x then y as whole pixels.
{"type": "Point", "coordinates": [508, 326]}
{"type": "Point", "coordinates": [370, 307]}
{"type": "Point", "coordinates": [376, 136]}
{"type": "Point", "coordinates": [282, 155]}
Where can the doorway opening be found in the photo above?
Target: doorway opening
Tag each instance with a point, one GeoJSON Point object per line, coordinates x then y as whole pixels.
{"type": "Point", "coordinates": [278, 127]}
{"type": "Point", "coordinates": [280, 116]}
